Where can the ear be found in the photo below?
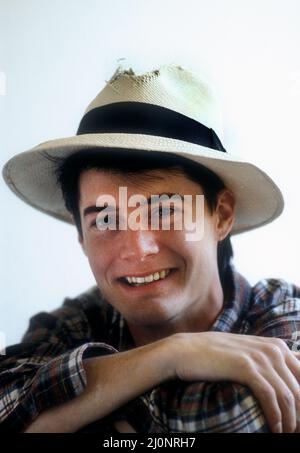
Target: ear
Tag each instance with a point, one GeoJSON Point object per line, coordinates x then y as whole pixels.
{"type": "Point", "coordinates": [225, 214]}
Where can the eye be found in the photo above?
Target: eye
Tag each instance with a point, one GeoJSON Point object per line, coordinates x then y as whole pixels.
{"type": "Point", "coordinates": [102, 222]}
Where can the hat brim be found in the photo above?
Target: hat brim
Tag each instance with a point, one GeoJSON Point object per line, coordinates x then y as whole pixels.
{"type": "Point", "coordinates": [31, 174]}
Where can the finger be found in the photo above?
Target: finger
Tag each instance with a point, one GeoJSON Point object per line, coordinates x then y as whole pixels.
{"type": "Point", "coordinates": [298, 422]}
{"type": "Point", "coordinates": [266, 395]}
{"type": "Point", "coordinates": [124, 427]}
{"type": "Point", "coordinates": [285, 382]}
{"type": "Point", "coordinates": [294, 365]}
{"type": "Point", "coordinates": [287, 394]}
{"type": "Point", "coordinates": [296, 354]}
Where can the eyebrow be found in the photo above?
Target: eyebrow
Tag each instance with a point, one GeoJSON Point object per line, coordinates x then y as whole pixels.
{"type": "Point", "coordinates": [92, 209]}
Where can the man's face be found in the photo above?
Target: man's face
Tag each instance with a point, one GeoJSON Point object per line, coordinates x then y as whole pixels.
{"type": "Point", "coordinates": [190, 267]}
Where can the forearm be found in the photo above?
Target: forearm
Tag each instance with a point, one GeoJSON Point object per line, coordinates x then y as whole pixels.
{"type": "Point", "coordinates": [112, 381]}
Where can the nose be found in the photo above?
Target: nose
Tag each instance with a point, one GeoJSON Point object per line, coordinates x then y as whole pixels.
{"type": "Point", "coordinates": [139, 244]}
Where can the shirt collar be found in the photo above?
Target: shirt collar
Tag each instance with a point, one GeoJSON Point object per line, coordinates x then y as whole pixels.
{"type": "Point", "coordinates": [236, 305]}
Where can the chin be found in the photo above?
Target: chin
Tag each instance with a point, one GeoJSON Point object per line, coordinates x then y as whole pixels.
{"type": "Point", "coordinates": [153, 315]}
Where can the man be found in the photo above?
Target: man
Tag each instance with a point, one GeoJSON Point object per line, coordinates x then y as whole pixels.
{"type": "Point", "coordinates": [172, 338]}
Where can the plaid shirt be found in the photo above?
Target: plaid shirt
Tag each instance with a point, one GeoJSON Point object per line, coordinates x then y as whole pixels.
{"type": "Point", "coordinates": [46, 368]}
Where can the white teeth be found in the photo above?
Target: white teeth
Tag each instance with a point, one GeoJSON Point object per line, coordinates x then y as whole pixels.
{"type": "Point", "coordinates": [148, 278]}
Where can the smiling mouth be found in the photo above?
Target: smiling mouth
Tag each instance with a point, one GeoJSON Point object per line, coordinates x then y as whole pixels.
{"type": "Point", "coordinates": [147, 279]}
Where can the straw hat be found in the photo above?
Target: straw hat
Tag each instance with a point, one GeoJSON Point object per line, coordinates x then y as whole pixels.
{"type": "Point", "coordinates": [166, 110]}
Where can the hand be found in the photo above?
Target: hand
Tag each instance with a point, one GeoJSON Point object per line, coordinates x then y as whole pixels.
{"type": "Point", "coordinates": [265, 365]}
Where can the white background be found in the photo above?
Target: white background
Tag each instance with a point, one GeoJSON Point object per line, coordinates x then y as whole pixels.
{"type": "Point", "coordinates": [55, 57]}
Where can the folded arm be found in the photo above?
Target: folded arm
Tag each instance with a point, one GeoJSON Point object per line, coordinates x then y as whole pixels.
{"type": "Point", "coordinates": [210, 381]}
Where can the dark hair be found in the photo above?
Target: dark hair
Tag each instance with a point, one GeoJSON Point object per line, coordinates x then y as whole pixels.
{"type": "Point", "coordinates": [116, 160]}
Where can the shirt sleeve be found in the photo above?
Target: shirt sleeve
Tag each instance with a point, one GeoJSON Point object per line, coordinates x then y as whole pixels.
{"type": "Point", "coordinates": [206, 407]}
{"type": "Point", "coordinates": [226, 406]}
{"type": "Point", "coordinates": [46, 369]}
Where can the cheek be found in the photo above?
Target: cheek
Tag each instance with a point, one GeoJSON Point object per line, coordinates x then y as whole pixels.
{"type": "Point", "coordinates": [199, 256]}
{"type": "Point", "coordinates": [185, 253]}
{"type": "Point", "coordinates": [194, 255]}
{"type": "Point", "coordinates": [99, 258]}
{"type": "Point", "coordinates": [97, 264]}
